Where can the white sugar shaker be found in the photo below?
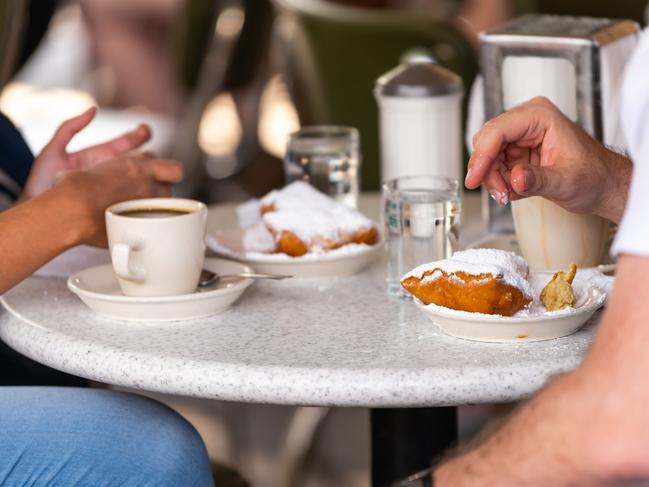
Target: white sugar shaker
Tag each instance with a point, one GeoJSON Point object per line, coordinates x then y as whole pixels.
{"type": "Point", "coordinates": [420, 106]}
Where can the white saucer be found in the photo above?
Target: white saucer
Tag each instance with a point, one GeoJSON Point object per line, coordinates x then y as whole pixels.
{"type": "Point", "coordinates": [341, 262]}
{"type": "Point", "coordinates": [530, 326]}
{"type": "Point", "coordinates": [98, 288]}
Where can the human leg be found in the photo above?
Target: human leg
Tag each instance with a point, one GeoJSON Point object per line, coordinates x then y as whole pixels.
{"type": "Point", "coordinates": [68, 436]}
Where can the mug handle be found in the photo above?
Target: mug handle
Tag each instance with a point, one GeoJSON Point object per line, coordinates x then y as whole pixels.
{"type": "Point", "coordinates": [121, 257]}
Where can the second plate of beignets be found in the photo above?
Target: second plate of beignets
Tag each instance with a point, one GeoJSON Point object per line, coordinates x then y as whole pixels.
{"type": "Point", "coordinates": [485, 281]}
{"type": "Point", "coordinates": [300, 231]}
{"type": "Point", "coordinates": [303, 220]}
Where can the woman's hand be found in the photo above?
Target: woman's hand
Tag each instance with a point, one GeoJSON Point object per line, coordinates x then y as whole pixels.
{"type": "Point", "coordinates": [534, 150]}
{"type": "Point", "coordinates": [55, 159]}
{"type": "Point", "coordinates": [88, 193]}
{"type": "Point", "coordinates": [72, 212]}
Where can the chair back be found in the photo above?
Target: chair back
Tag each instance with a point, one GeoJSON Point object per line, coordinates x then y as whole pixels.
{"type": "Point", "coordinates": [338, 52]}
{"type": "Point", "coordinates": [626, 9]}
{"type": "Point", "coordinates": [12, 23]}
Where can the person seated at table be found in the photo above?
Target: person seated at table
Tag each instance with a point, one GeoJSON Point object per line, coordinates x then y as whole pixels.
{"type": "Point", "coordinates": [588, 427]}
{"type": "Point", "coordinates": [74, 436]}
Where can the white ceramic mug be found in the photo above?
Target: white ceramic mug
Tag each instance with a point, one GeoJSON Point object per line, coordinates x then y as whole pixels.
{"type": "Point", "coordinates": [551, 238]}
{"type": "Point", "coordinates": [157, 245]}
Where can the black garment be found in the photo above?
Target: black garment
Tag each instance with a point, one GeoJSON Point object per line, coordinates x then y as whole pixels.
{"type": "Point", "coordinates": [15, 159]}
{"type": "Point", "coordinates": [15, 163]}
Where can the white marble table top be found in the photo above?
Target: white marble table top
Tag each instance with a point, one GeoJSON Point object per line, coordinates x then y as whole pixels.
{"type": "Point", "coordinates": [340, 342]}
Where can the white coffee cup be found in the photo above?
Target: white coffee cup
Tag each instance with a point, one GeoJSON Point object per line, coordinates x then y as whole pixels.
{"type": "Point", "coordinates": [157, 245]}
{"type": "Point", "coordinates": [551, 238]}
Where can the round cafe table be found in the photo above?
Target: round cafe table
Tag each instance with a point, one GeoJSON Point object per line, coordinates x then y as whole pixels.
{"type": "Point", "coordinates": [334, 342]}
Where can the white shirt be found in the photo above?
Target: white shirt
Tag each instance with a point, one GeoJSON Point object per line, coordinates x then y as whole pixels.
{"type": "Point", "coordinates": [633, 234]}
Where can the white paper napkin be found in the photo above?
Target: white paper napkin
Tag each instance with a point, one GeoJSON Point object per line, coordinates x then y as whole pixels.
{"type": "Point", "coordinates": [73, 261]}
{"type": "Point", "coordinates": [596, 278]}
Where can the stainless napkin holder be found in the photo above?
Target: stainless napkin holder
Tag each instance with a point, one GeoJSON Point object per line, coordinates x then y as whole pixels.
{"type": "Point", "coordinates": [577, 62]}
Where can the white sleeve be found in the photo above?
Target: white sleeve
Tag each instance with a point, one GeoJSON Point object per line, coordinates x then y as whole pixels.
{"type": "Point", "coordinates": [633, 234]}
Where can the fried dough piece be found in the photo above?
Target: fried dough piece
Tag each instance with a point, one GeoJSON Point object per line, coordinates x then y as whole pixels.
{"type": "Point", "coordinates": [290, 244]}
{"type": "Point", "coordinates": [481, 293]}
{"type": "Point", "coordinates": [363, 236]}
{"type": "Point", "coordinates": [558, 293]}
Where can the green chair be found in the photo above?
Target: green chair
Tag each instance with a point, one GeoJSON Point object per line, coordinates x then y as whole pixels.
{"type": "Point", "coordinates": [626, 9]}
{"type": "Point", "coordinates": [13, 15]}
{"type": "Point", "coordinates": [337, 53]}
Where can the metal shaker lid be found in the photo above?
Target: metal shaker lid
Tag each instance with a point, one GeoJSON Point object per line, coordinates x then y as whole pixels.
{"type": "Point", "coordinates": [418, 80]}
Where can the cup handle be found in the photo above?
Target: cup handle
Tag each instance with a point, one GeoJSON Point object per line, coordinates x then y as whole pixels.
{"type": "Point", "coordinates": [121, 257]}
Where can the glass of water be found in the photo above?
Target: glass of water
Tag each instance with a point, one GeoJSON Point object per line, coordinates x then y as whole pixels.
{"type": "Point", "coordinates": [421, 219]}
{"type": "Point", "coordinates": [328, 157]}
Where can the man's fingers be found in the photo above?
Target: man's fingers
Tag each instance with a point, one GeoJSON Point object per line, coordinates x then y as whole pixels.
{"type": "Point", "coordinates": [70, 127]}
{"type": "Point", "coordinates": [497, 186]}
{"type": "Point", "coordinates": [523, 126]}
{"type": "Point", "coordinates": [128, 141]}
{"type": "Point", "coordinates": [530, 180]}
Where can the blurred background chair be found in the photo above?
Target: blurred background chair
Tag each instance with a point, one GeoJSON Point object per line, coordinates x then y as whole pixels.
{"type": "Point", "coordinates": [12, 15]}
{"type": "Point", "coordinates": [337, 52]}
{"type": "Point", "coordinates": [625, 9]}
{"type": "Point", "coordinates": [222, 58]}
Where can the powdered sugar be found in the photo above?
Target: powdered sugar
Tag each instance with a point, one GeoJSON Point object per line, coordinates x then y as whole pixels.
{"type": "Point", "coordinates": [313, 225]}
{"type": "Point", "coordinates": [493, 256]}
{"type": "Point", "coordinates": [509, 267]}
{"type": "Point", "coordinates": [310, 215]}
{"type": "Point", "coordinates": [257, 238]}
{"type": "Point", "coordinates": [298, 195]}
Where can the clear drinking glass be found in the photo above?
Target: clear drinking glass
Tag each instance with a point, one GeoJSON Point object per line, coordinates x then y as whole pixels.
{"type": "Point", "coordinates": [328, 157]}
{"type": "Point", "coordinates": [421, 219]}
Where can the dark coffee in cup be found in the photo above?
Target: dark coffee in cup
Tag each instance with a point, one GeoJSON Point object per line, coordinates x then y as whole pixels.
{"type": "Point", "coordinates": [153, 212]}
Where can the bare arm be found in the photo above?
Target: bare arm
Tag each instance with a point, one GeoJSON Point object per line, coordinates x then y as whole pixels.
{"type": "Point", "coordinates": [589, 427]}
{"type": "Point", "coordinates": [72, 212]}
{"type": "Point", "coordinates": [35, 232]}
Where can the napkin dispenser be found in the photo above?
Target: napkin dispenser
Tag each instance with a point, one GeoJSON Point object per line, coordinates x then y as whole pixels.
{"type": "Point", "coordinates": [576, 62]}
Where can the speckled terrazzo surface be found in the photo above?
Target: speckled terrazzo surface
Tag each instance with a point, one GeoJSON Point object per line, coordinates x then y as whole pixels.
{"type": "Point", "coordinates": [340, 342]}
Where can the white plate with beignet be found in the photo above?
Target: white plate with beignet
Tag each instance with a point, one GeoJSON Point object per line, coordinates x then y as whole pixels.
{"type": "Point", "coordinates": [504, 299]}
{"type": "Point", "coordinates": [301, 232]}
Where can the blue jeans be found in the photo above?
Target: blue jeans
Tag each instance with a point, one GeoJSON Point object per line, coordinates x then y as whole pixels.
{"type": "Point", "coordinates": [73, 437]}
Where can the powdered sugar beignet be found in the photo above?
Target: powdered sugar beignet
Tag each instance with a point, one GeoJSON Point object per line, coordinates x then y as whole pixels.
{"type": "Point", "coordinates": [485, 281]}
{"type": "Point", "coordinates": [302, 219]}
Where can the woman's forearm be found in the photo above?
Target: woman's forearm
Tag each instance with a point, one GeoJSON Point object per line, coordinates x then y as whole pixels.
{"type": "Point", "coordinates": [34, 232]}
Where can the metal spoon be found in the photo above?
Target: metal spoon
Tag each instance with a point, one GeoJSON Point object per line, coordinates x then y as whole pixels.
{"type": "Point", "coordinates": [208, 277]}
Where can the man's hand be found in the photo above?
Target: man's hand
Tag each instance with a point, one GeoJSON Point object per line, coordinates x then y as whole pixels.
{"type": "Point", "coordinates": [534, 150]}
{"type": "Point", "coordinates": [55, 159]}
{"type": "Point", "coordinates": [88, 193]}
